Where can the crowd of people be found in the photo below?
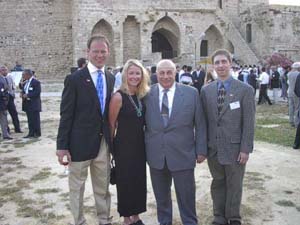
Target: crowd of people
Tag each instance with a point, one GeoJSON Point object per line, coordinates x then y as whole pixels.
{"type": "Point", "coordinates": [169, 125]}
{"type": "Point", "coordinates": [30, 91]}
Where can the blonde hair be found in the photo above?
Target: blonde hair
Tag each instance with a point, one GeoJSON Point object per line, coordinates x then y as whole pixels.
{"type": "Point", "coordinates": [209, 77]}
{"type": "Point", "coordinates": [143, 86]}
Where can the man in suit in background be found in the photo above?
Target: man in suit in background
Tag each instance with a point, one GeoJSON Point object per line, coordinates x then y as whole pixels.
{"type": "Point", "coordinates": [31, 103]}
{"type": "Point", "coordinates": [229, 110]}
{"type": "Point", "coordinates": [296, 92]}
{"type": "Point", "coordinates": [11, 107]}
{"type": "Point", "coordinates": [198, 78]}
{"type": "Point", "coordinates": [174, 143]}
{"type": "Point", "coordinates": [83, 134]}
{"type": "Point", "coordinates": [3, 111]}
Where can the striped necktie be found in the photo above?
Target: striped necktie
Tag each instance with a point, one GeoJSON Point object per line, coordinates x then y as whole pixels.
{"type": "Point", "coordinates": [165, 107]}
{"type": "Point", "coordinates": [99, 88]}
{"type": "Point", "coordinates": [221, 97]}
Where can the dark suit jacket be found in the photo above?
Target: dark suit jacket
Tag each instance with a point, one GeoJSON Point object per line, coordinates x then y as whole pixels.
{"type": "Point", "coordinates": [33, 100]}
{"type": "Point", "coordinates": [297, 86]}
{"type": "Point", "coordinates": [275, 79]}
{"type": "Point", "coordinates": [198, 81]}
{"type": "Point", "coordinates": [231, 131]}
{"type": "Point", "coordinates": [82, 124]}
{"type": "Point", "coordinates": [3, 98]}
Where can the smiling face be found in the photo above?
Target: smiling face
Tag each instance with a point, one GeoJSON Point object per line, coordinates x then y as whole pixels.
{"type": "Point", "coordinates": [222, 66]}
{"type": "Point", "coordinates": [166, 72]}
{"type": "Point", "coordinates": [134, 76]}
{"type": "Point", "coordinates": [98, 53]}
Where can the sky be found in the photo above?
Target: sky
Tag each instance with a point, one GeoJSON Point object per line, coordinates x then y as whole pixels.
{"type": "Point", "coordinates": [285, 2]}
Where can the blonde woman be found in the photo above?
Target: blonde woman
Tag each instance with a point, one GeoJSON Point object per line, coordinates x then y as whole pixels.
{"type": "Point", "coordinates": [126, 118]}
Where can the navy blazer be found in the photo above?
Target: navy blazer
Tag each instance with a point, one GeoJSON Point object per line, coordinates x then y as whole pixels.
{"type": "Point", "coordinates": [82, 124]}
{"type": "Point", "coordinates": [33, 100]}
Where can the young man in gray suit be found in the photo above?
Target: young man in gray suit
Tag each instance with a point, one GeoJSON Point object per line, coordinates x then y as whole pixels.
{"type": "Point", "coordinates": [174, 143]}
{"type": "Point", "coordinates": [229, 109]}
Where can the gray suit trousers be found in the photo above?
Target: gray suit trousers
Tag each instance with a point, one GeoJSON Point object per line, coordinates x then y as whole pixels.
{"type": "Point", "coordinates": [226, 190]}
{"type": "Point", "coordinates": [4, 123]}
{"type": "Point", "coordinates": [184, 182]}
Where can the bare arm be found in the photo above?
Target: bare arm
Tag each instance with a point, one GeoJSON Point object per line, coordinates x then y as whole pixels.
{"type": "Point", "coordinates": [114, 109]}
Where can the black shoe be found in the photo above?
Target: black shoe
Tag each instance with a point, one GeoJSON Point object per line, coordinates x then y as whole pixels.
{"type": "Point", "coordinates": [7, 138]}
{"type": "Point", "coordinates": [214, 223]}
{"type": "Point", "coordinates": [139, 222]}
{"type": "Point", "coordinates": [28, 136]}
{"type": "Point", "coordinates": [37, 135]}
{"type": "Point", "coordinates": [296, 146]}
{"type": "Point", "coordinates": [235, 222]}
{"type": "Point", "coordinates": [18, 131]}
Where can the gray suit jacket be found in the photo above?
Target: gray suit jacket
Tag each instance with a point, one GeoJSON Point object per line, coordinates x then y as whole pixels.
{"type": "Point", "coordinates": [180, 142]}
{"type": "Point", "coordinates": [232, 131]}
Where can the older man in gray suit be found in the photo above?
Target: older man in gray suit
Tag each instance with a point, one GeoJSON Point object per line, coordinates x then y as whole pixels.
{"type": "Point", "coordinates": [174, 143]}
{"type": "Point", "coordinates": [229, 109]}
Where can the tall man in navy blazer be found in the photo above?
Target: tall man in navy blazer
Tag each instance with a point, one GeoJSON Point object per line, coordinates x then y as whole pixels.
{"type": "Point", "coordinates": [229, 110]}
{"type": "Point", "coordinates": [31, 103]}
{"type": "Point", "coordinates": [174, 143]}
{"type": "Point", "coordinates": [83, 134]}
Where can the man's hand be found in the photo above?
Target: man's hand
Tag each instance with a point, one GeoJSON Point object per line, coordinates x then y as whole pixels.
{"type": "Point", "coordinates": [200, 158]}
{"type": "Point", "coordinates": [243, 158]}
{"type": "Point", "coordinates": [60, 155]}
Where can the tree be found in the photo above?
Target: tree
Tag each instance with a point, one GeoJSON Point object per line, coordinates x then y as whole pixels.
{"type": "Point", "coordinates": [276, 59]}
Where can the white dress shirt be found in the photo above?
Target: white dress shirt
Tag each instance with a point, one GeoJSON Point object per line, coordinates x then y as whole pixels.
{"type": "Point", "coordinates": [26, 88]}
{"type": "Point", "coordinates": [94, 74]}
{"type": "Point", "coordinates": [170, 95]}
{"type": "Point", "coordinates": [264, 78]}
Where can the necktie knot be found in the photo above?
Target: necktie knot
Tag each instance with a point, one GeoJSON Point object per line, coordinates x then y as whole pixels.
{"type": "Point", "coordinates": [99, 72]}
{"type": "Point", "coordinates": [165, 91]}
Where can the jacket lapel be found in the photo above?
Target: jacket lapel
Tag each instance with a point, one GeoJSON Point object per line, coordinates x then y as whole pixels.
{"type": "Point", "coordinates": [177, 103]}
{"type": "Point", "coordinates": [91, 89]}
{"type": "Point", "coordinates": [214, 97]}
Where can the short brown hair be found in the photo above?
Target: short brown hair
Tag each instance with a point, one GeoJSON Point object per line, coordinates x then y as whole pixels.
{"type": "Point", "coordinates": [97, 37]}
{"type": "Point", "coordinates": [224, 52]}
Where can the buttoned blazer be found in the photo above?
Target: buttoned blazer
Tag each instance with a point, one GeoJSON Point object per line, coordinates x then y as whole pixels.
{"type": "Point", "coordinates": [231, 131]}
{"type": "Point", "coordinates": [33, 100]}
{"type": "Point", "coordinates": [180, 141]}
{"type": "Point", "coordinates": [82, 124]}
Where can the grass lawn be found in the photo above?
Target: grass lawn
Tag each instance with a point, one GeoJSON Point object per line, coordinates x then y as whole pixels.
{"type": "Point", "coordinates": [277, 116]}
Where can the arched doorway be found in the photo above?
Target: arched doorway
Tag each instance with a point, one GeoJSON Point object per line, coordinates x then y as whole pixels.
{"type": "Point", "coordinates": [213, 40]}
{"type": "Point", "coordinates": [104, 28]}
{"type": "Point", "coordinates": [165, 38]}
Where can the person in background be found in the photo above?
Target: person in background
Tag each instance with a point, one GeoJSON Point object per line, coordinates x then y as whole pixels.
{"type": "Point", "coordinates": [293, 99]}
{"type": "Point", "coordinates": [187, 78]}
{"type": "Point", "coordinates": [118, 79]}
{"type": "Point", "coordinates": [283, 81]}
{"type": "Point", "coordinates": [209, 77]}
{"type": "Point", "coordinates": [198, 78]}
{"type": "Point", "coordinates": [127, 122]}
{"type": "Point", "coordinates": [18, 67]}
{"type": "Point", "coordinates": [11, 107]}
{"type": "Point", "coordinates": [153, 76]}
{"type": "Point", "coordinates": [263, 88]}
{"type": "Point", "coordinates": [275, 83]}
{"type": "Point", "coordinates": [81, 63]}
{"type": "Point", "coordinates": [31, 103]}
{"type": "Point", "coordinates": [252, 80]}
{"type": "Point", "coordinates": [3, 111]}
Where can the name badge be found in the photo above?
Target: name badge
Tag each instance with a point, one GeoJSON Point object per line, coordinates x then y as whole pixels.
{"type": "Point", "coordinates": [2, 89]}
{"type": "Point", "coordinates": [30, 88]}
{"type": "Point", "coordinates": [234, 105]}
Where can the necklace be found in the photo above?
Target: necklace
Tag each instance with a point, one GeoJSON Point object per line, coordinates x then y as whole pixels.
{"type": "Point", "coordinates": [138, 108]}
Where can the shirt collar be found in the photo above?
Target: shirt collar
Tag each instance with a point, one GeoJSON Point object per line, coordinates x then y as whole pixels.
{"type": "Point", "coordinates": [93, 69]}
{"type": "Point", "coordinates": [171, 89]}
{"type": "Point", "coordinates": [227, 83]}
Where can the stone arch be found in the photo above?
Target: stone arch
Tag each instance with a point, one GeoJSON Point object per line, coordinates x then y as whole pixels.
{"type": "Point", "coordinates": [131, 39]}
{"type": "Point", "coordinates": [166, 38]}
{"type": "Point", "coordinates": [214, 39]}
{"type": "Point", "coordinates": [104, 28]}
{"type": "Point", "coordinates": [229, 46]}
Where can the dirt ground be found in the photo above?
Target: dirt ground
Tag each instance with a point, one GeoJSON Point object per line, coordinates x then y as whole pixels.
{"type": "Point", "coordinates": [33, 189]}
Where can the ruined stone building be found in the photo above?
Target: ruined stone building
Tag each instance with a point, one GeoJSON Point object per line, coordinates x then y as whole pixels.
{"type": "Point", "coordinates": [50, 35]}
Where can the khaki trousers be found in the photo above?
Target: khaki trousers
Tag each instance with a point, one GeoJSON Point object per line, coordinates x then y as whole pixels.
{"type": "Point", "coordinates": [100, 175]}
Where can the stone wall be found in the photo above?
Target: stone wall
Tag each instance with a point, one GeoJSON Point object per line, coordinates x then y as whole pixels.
{"type": "Point", "coordinates": [37, 33]}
